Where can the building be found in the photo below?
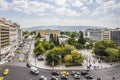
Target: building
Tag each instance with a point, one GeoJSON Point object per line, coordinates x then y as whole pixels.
{"type": "Point", "coordinates": [19, 36]}
{"type": "Point", "coordinates": [93, 35]}
{"type": "Point", "coordinates": [8, 38]}
{"type": "Point", "coordinates": [46, 33]}
{"type": "Point", "coordinates": [106, 34]}
{"type": "Point", "coordinates": [4, 38]}
{"type": "Point", "coordinates": [115, 35]}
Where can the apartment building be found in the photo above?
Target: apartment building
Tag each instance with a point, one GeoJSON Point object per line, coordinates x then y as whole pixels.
{"type": "Point", "coordinates": [115, 35]}
{"type": "Point", "coordinates": [93, 35]}
{"type": "Point", "coordinates": [106, 34]}
{"type": "Point", "coordinates": [8, 38]}
{"type": "Point", "coordinates": [4, 38]}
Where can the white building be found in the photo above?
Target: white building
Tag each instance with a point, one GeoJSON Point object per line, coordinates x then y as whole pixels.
{"type": "Point", "coordinates": [8, 38]}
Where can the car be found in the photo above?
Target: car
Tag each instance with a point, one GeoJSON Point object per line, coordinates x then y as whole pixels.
{"type": "Point", "coordinates": [88, 77]}
{"type": "Point", "coordinates": [20, 59]}
{"type": "Point", "coordinates": [64, 73]}
{"type": "Point", "coordinates": [84, 72]}
{"type": "Point", "coordinates": [1, 78]}
{"type": "Point", "coordinates": [34, 70]}
{"type": "Point", "coordinates": [76, 76]}
{"type": "Point", "coordinates": [6, 71]}
{"type": "Point", "coordinates": [73, 73]}
{"type": "Point", "coordinates": [42, 78]}
{"type": "Point", "coordinates": [63, 77]}
{"type": "Point", "coordinates": [55, 73]}
{"type": "Point", "coordinates": [28, 65]}
{"type": "Point", "coordinates": [40, 58]}
{"type": "Point", "coordinates": [54, 78]}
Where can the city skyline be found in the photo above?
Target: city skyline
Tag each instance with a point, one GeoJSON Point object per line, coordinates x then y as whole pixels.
{"type": "Point", "coordinates": [28, 13]}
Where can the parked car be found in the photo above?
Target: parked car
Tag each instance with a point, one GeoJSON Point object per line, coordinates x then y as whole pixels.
{"type": "Point", "coordinates": [64, 73]}
{"type": "Point", "coordinates": [6, 71]}
{"type": "Point", "coordinates": [88, 77]}
{"type": "Point", "coordinates": [40, 58]}
{"type": "Point", "coordinates": [34, 70]}
{"type": "Point", "coordinates": [1, 78]}
{"type": "Point", "coordinates": [20, 59]}
{"type": "Point", "coordinates": [85, 72]}
{"type": "Point", "coordinates": [42, 78]}
{"type": "Point", "coordinates": [63, 77]}
{"type": "Point", "coordinates": [54, 78]}
{"type": "Point", "coordinates": [55, 73]}
{"type": "Point", "coordinates": [76, 76]}
{"type": "Point", "coordinates": [28, 65]}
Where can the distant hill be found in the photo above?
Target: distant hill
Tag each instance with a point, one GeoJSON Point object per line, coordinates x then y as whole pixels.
{"type": "Point", "coordinates": [62, 28]}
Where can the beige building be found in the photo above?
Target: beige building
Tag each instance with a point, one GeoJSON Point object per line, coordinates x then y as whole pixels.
{"type": "Point", "coordinates": [48, 32]}
{"type": "Point", "coordinates": [106, 35]}
{"type": "Point", "coordinates": [4, 38]}
{"type": "Point", "coordinates": [8, 38]}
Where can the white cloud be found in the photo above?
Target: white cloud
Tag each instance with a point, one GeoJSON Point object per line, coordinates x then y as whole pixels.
{"type": "Point", "coordinates": [85, 10]}
{"type": "Point", "coordinates": [107, 7]}
{"type": "Point", "coordinates": [31, 7]}
{"type": "Point", "coordinates": [67, 12]}
{"type": "Point", "coordinates": [76, 3]}
{"type": "Point", "coordinates": [4, 5]}
{"type": "Point", "coordinates": [60, 2]}
{"type": "Point", "coordinates": [88, 1]}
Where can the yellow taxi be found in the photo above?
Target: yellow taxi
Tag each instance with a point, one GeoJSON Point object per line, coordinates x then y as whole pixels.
{"type": "Point", "coordinates": [20, 59]}
{"type": "Point", "coordinates": [6, 71]}
{"type": "Point", "coordinates": [20, 51]}
{"type": "Point", "coordinates": [1, 78]}
{"type": "Point", "coordinates": [65, 73]}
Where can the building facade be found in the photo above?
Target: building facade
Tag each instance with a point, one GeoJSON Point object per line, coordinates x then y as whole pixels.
{"type": "Point", "coordinates": [48, 32]}
{"type": "Point", "coordinates": [115, 36]}
{"type": "Point", "coordinates": [106, 34]}
{"type": "Point", "coordinates": [8, 38]}
{"type": "Point", "coordinates": [93, 35]}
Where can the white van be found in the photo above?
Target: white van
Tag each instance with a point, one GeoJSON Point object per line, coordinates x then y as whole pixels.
{"type": "Point", "coordinates": [34, 70]}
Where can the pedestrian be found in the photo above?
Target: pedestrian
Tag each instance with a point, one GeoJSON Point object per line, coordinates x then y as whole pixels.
{"type": "Point", "coordinates": [113, 78]}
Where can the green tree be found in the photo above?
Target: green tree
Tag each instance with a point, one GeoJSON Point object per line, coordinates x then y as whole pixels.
{"type": "Point", "coordinates": [102, 48]}
{"type": "Point", "coordinates": [113, 54]}
{"type": "Point", "coordinates": [57, 41]}
{"type": "Point", "coordinates": [46, 45]}
{"type": "Point", "coordinates": [78, 46]}
{"type": "Point", "coordinates": [37, 41]}
{"type": "Point", "coordinates": [51, 38]}
{"type": "Point", "coordinates": [73, 59]}
{"type": "Point", "coordinates": [25, 33]}
{"type": "Point", "coordinates": [68, 58]}
{"type": "Point", "coordinates": [81, 40]}
{"type": "Point", "coordinates": [38, 35]}
{"type": "Point", "coordinates": [32, 33]}
{"type": "Point", "coordinates": [39, 50]}
{"type": "Point", "coordinates": [71, 41]}
{"type": "Point", "coordinates": [77, 57]}
{"type": "Point", "coordinates": [53, 57]}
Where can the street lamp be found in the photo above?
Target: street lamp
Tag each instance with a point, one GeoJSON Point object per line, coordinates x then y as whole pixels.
{"type": "Point", "coordinates": [53, 63]}
{"type": "Point", "coordinates": [35, 60]}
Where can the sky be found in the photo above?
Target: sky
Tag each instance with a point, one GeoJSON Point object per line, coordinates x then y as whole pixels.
{"type": "Point", "coordinates": [29, 13]}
